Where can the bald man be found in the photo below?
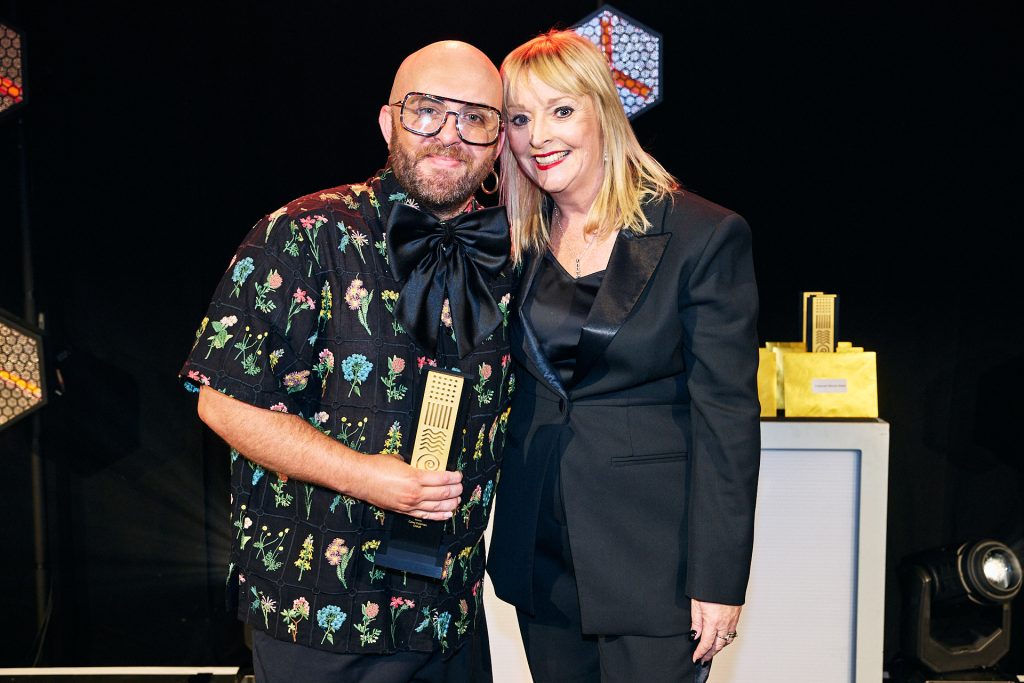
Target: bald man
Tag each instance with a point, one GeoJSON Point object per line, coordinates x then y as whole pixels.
{"type": "Point", "coordinates": [310, 364]}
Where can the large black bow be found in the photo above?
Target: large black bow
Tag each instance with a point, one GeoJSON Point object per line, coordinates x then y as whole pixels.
{"type": "Point", "coordinates": [455, 258]}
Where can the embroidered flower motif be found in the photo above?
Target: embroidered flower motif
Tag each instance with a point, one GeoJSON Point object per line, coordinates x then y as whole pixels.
{"type": "Point", "coordinates": [423, 361]}
{"type": "Point", "coordinates": [353, 237]}
{"type": "Point", "coordinates": [264, 603]}
{"type": "Point", "coordinates": [220, 334]}
{"type": "Point", "coordinates": [291, 247]}
{"type": "Point", "coordinates": [265, 550]}
{"type": "Point", "coordinates": [355, 369]}
{"type": "Point", "coordinates": [473, 501]}
{"type": "Point", "coordinates": [367, 635]}
{"type": "Point", "coordinates": [249, 351]}
{"type": "Point", "coordinates": [279, 408]}
{"type": "Point", "coordinates": [358, 300]}
{"type": "Point", "coordinates": [311, 224]}
{"type": "Point", "coordinates": [483, 394]}
{"type": "Point", "coordinates": [272, 282]}
{"type": "Point", "coordinates": [296, 381]}
{"type": "Point", "coordinates": [282, 498]}
{"type": "Point", "coordinates": [395, 391]}
{"type": "Point", "coordinates": [324, 368]}
{"type": "Point", "coordinates": [338, 556]}
{"type": "Point", "coordinates": [292, 617]}
{"type": "Point", "coordinates": [274, 357]}
{"type": "Point", "coordinates": [300, 302]}
{"type": "Point", "coordinates": [393, 441]}
{"type": "Point", "coordinates": [441, 629]}
{"type": "Point", "coordinates": [503, 306]}
{"type": "Point", "coordinates": [352, 435]}
{"type": "Point", "coordinates": [243, 269]}
{"type": "Point", "coordinates": [466, 556]}
{"type": "Point", "coordinates": [446, 573]}
{"type": "Point", "coordinates": [478, 449]}
{"type": "Point", "coordinates": [446, 317]}
{"type": "Point", "coordinates": [326, 303]}
{"type": "Point", "coordinates": [370, 553]}
{"type": "Point", "coordinates": [463, 623]}
{"type": "Point", "coordinates": [199, 377]}
{"type": "Point", "coordinates": [199, 332]}
{"type": "Point", "coordinates": [305, 556]}
{"type": "Point", "coordinates": [330, 618]}
{"type": "Point", "coordinates": [390, 298]}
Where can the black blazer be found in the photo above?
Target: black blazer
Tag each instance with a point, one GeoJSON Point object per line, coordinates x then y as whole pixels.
{"type": "Point", "coordinates": [659, 436]}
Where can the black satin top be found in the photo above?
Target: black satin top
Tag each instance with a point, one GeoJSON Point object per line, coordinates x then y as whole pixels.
{"type": "Point", "coordinates": [557, 307]}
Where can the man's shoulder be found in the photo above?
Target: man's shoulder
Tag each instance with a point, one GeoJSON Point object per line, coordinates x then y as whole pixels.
{"type": "Point", "coordinates": [339, 198]}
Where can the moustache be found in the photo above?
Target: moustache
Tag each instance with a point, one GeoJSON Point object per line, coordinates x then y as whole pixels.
{"type": "Point", "coordinates": [440, 150]}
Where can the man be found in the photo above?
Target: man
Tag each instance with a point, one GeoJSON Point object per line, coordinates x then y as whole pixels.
{"type": "Point", "coordinates": [311, 363]}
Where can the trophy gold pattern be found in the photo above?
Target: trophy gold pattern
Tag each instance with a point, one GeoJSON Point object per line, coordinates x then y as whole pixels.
{"type": "Point", "coordinates": [436, 428]}
{"type": "Point", "coordinates": [410, 544]}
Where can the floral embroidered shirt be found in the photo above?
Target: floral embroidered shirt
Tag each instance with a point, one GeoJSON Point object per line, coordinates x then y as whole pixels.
{"type": "Point", "coordinates": [302, 323]}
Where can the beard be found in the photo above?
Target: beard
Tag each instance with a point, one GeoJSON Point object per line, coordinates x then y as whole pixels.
{"type": "Point", "coordinates": [443, 194]}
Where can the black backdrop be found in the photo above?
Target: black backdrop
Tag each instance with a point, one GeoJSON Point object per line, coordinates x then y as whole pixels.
{"type": "Point", "coordinates": [874, 148]}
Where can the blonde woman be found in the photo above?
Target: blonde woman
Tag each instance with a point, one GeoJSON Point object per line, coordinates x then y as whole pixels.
{"type": "Point", "coordinates": [624, 518]}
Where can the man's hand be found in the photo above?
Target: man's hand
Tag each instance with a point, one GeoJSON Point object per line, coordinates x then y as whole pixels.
{"type": "Point", "coordinates": [713, 623]}
{"type": "Point", "coordinates": [391, 484]}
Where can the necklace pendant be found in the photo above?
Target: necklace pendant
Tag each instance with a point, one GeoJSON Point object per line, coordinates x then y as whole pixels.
{"type": "Point", "coordinates": [577, 268]}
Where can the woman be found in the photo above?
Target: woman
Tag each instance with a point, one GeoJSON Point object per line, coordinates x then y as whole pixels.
{"type": "Point", "coordinates": [624, 518]}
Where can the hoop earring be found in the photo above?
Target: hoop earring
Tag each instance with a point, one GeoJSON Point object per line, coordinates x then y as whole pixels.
{"type": "Point", "coordinates": [496, 182]}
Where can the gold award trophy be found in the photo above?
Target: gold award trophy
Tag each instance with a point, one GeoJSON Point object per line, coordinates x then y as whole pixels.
{"type": "Point", "coordinates": [414, 545]}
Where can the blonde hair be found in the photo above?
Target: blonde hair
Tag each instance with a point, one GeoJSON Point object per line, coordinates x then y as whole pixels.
{"type": "Point", "coordinates": [570, 63]}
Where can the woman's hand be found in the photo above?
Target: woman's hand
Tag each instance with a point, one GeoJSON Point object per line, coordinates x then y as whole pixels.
{"type": "Point", "coordinates": [715, 625]}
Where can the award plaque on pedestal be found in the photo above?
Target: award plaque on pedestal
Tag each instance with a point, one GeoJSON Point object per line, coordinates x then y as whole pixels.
{"type": "Point", "coordinates": [414, 545]}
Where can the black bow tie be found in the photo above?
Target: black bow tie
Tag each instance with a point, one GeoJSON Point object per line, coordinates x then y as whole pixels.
{"type": "Point", "coordinates": [455, 258]}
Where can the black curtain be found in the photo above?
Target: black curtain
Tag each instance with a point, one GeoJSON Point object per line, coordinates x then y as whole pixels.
{"type": "Point", "coordinates": [874, 148]}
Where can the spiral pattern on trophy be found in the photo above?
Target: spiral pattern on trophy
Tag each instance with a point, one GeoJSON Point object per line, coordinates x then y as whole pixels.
{"type": "Point", "coordinates": [430, 449]}
{"type": "Point", "coordinates": [427, 461]}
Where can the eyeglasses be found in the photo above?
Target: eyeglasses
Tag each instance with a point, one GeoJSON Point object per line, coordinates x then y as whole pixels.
{"type": "Point", "coordinates": [423, 114]}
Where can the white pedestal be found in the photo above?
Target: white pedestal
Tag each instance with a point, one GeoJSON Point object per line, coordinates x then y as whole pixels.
{"type": "Point", "coordinates": [815, 603]}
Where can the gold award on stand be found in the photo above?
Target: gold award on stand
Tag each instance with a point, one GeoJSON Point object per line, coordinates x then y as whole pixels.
{"type": "Point", "coordinates": [410, 544]}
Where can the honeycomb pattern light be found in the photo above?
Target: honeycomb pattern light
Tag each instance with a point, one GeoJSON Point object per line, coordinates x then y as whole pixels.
{"type": "Point", "coordinates": [12, 82]}
{"type": "Point", "coordinates": [21, 371]}
{"type": "Point", "coordinates": [634, 54]}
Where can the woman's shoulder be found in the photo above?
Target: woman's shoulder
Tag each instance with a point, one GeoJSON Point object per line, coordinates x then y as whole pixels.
{"type": "Point", "coordinates": [684, 208]}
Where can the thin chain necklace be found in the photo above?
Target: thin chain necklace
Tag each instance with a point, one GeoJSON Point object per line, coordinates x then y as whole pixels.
{"type": "Point", "coordinates": [580, 254]}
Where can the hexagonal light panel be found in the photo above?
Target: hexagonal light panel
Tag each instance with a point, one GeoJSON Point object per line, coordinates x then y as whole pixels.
{"type": "Point", "coordinates": [22, 388]}
{"type": "Point", "coordinates": [12, 75]}
{"type": "Point", "coordinates": [634, 54]}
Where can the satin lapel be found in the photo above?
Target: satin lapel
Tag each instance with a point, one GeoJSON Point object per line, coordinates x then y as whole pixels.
{"type": "Point", "coordinates": [630, 266]}
{"type": "Point", "coordinates": [535, 360]}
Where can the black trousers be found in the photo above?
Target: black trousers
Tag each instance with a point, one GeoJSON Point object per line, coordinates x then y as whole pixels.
{"type": "Point", "coordinates": [557, 650]}
{"type": "Point", "coordinates": [278, 661]}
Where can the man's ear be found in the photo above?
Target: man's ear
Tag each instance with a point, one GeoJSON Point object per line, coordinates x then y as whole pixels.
{"type": "Point", "coordinates": [386, 122]}
{"type": "Point", "coordinates": [501, 143]}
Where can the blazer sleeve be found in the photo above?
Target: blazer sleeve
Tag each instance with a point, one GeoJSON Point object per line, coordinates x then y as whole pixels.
{"type": "Point", "coordinates": [719, 316]}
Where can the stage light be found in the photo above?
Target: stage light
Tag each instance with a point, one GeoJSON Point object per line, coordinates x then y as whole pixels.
{"type": "Point", "coordinates": [634, 54]}
{"type": "Point", "coordinates": [957, 606]}
{"type": "Point", "coordinates": [22, 383]}
{"type": "Point", "coordinates": [12, 81]}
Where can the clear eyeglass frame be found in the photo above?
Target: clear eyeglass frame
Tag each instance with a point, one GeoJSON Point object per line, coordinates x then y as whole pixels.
{"type": "Point", "coordinates": [443, 109]}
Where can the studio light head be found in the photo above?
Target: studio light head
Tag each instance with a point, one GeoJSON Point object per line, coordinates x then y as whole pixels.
{"type": "Point", "coordinates": [957, 610]}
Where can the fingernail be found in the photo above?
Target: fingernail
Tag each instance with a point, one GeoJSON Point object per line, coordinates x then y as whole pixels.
{"type": "Point", "coordinates": [693, 636]}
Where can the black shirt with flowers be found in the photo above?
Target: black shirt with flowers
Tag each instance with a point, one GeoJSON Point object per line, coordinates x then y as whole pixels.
{"type": "Point", "coordinates": [302, 323]}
